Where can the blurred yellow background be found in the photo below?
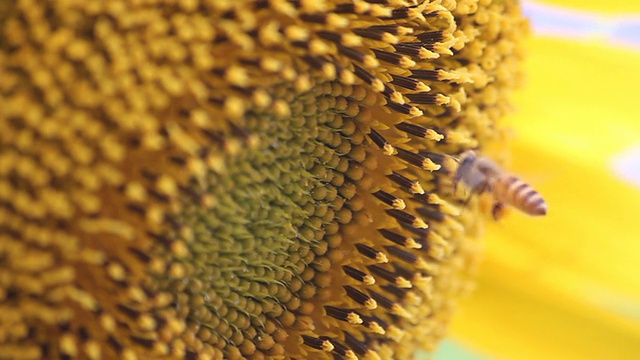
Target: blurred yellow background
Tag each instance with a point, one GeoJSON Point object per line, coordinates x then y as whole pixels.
{"type": "Point", "coordinates": [567, 286]}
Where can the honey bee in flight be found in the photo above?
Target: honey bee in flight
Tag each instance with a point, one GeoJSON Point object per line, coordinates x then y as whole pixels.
{"type": "Point", "coordinates": [481, 174]}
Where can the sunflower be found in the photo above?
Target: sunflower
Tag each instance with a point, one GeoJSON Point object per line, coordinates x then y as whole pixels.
{"type": "Point", "coordinates": [247, 179]}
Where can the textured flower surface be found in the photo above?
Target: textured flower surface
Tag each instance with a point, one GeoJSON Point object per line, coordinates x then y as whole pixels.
{"type": "Point", "coordinates": [242, 179]}
{"type": "Point", "coordinates": [567, 286]}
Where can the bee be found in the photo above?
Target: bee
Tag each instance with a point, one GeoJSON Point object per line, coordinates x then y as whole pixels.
{"type": "Point", "coordinates": [481, 174]}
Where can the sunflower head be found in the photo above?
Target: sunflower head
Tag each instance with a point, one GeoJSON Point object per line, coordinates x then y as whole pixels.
{"type": "Point", "coordinates": [248, 179]}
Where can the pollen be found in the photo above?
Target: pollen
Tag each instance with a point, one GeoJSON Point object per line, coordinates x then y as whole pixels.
{"type": "Point", "coordinates": [242, 180]}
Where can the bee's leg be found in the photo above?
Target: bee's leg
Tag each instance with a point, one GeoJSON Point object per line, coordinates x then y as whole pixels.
{"type": "Point", "coordinates": [498, 210]}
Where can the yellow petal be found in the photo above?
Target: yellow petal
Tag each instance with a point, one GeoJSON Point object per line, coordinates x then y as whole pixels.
{"type": "Point", "coordinates": [622, 6]}
{"type": "Point", "coordinates": [566, 286]}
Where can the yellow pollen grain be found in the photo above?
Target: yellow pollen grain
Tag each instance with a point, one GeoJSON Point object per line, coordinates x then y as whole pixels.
{"type": "Point", "coordinates": [406, 62]}
{"type": "Point", "coordinates": [233, 146]}
{"type": "Point", "coordinates": [329, 71]}
{"type": "Point", "coordinates": [351, 40]}
{"type": "Point", "coordinates": [453, 224]}
{"type": "Point", "coordinates": [88, 178]}
{"type": "Point", "coordinates": [284, 7]}
{"type": "Point", "coordinates": [281, 108]}
{"type": "Point", "coordinates": [166, 185]}
{"type": "Point", "coordinates": [327, 346]}
{"type": "Point", "coordinates": [397, 98]}
{"type": "Point", "coordinates": [361, 7]}
{"type": "Point", "coordinates": [116, 272]}
{"type": "Point", "coordinates": [380, 11]}
{"type": "Point", "coordinates": [443, 48]}
{"type": "Point", "coordinates": [234, 107]}
{"type": "Point", "coordinates": [442, 99]}
{"type": "Point", "coordinates": [93, 350]}
{"type": "Point", "coordinates": [372, 355]}
{"type": "Point", "coordinates": [426, 54]}
{"type": "Point", "coordinates": [319, 47]}
{"type": "Point", "coordinates": [401, 282]}
{"type": "Point", "coordinates": [176, 326]}
{"type": "Point", "coordinates": [58, 203]}
{"type": "Point", "coordinates": [112, 149]}
{"type": "Point", "coordinates": [381, 258]}
{"type": "Point", "coordinates": [482, 17]}
{"type": "Point", "coordinates": [370, 62]}
{"type": "Point", "coordinates": [434, 199]}
{"type": "Point", "coordinates": [390, 38]}
{"type": "Point", "coordinates": [179, 248]}
{"type": "Point", "coordinates": [377, 85]}
{"type": "Point", "coordinates": [155, 215]}
{"type": "Point", "coordinates": [88, 202]}
{"type": "Point", "coordinates": [84, 299]}
{"type": "Point", "coordinates": [136, 294]}
{"type": "Point", "coordinates": [147, 322]}
{"type": "Point", "coordinates": [394, 333]}
{"type": "Point", "coordinates": [271, 64]}
{"type": "Point", "coordinates": [347, 77]}
{"type": "Point", "coordinates": [68, 345]}
{"type": "Point", "coordinates": [449, 209]}
{"type": "Point", "coordinates": [387, 149]}
{"type": "Point", "coordinates": [163, 299]}
{"type": "Point", "coordinates": [261, 99]}
{"type": "Point", "coordinates": [36, 261]}
{"type": "Point", "coordinates": [313, 6]}
{"type": "Point", "coordinates": [416, 188]}
{"type": "Point", "coordinates": [398, 204]}
{"type": "Point", "coordinates": [60, 275]}
{"type": "Point", "coordinates": [436, 252]}
{"type": "Point", "coordinates": [161, 348]}
{"type": "Point", "coordinates": [437, 241]}
{"type": "Point", "coordinates": [269, 34]}
{"type": "Point", "coordinates": [430, 268]}
{"type": "Point", "coordinates": [178, 348]}
{"type": "Point", "coordinates": [424, 283]}
{"type": "Point", "coordinates": [196, 167]}
{"type": "Point", "coordinates": [296, 33]}
{"type": "Point", "coordinates": [350, 355]}
{"type": "Point", "coordinates": [236, 75]}
{"type": "Point", "coordinates": [455, 104]}
{"type": "Point", "coordinates": [153, 141]}
{"type": "Point", "coordinates": [177, 271]}
{"type": "Point", "coordinates": [303, 83]}
{"type": "Point", "coordinates": [371, 304]}
{"type": "Point", "coordinates": [419, 223]}
{"type": "Point", "coordinates": [428, 164]}
{"type": "Point", "coordinates": [336, 21]}
{"type": "Point", "coordinates": [105, 225]}
{"type": "Point", "coordinates": [397, 309]}
{"type": "Point", "coordinates": [417, 11]}
{"type": "Point", "coordinates": [129, 354]}
{"type": "Point", "coordinates": [29, 284]}
{"type": "Point", "coordinates": [183, 140]}
{"type": "Point", "coordinates": [368, 280]}
{"type": "Point", "coordinates": [434, 135]}
{"type": "Point", "coordinates": [412, 244]}
{"type": "Point", "coordinates": [376, 328]}
{"type": "Point", "coordinates": [354, 318]}
{"type": "Point", "coordinates": [92, 256]}
{"type": "Point", "coordinates": [415, 112]}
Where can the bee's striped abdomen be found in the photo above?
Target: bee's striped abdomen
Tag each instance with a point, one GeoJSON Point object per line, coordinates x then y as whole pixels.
{"type": "Point", "coordinates": [519, 194]}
